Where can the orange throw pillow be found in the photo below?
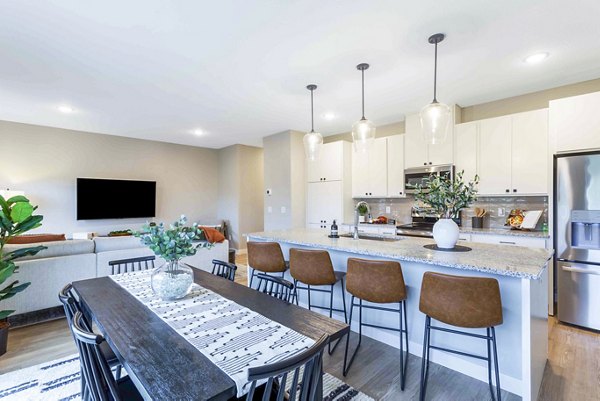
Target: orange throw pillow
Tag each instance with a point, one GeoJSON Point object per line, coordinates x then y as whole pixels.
{"type": "Point", "coordinates": [213, 235]}
{"type": "Point", "coordinates": [34, 238]}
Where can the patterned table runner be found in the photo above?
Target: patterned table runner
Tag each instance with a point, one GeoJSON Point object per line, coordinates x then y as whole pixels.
{"type": "Point", "coordinates": [232, 336]}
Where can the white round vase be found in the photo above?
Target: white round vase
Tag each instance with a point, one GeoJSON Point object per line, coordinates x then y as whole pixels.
{"type": "Point", "coordinates": [445, 233]}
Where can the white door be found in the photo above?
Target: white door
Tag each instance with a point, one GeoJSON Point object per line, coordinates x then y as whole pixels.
{"type": "Point", "coordinates": [442, 153]}
{"type": "Point", "coordinates": [495, 156]}
{"type": "Point", "coordinates": [530, 152]}
{"type": "Point", "coordinates": [465, 149]}
{"type": "Point", "coordinates": [331, 161]}
{"type": "Point", "coordinates": [331, 202]}
{"type": "Point", "coordinates": [377, 184]}
{"type": "Point", "coordinates": [314, 196]}
{"type": "Point", "coordinates": [395, 170]}
{"type": "Point", "coordinates": [415, 147]}
{"type": "Point", "coordinates": [360, 174]}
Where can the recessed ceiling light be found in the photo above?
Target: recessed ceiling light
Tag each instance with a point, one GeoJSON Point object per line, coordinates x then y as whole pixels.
{"type": "Point", "coordinates": [536, 58]}
{"type": "Point", "coordinates": [198, 132]}
{"type": "Point", "coordinates": [329, 116]}
{"type": "Point", "coordinates": [65, 109]}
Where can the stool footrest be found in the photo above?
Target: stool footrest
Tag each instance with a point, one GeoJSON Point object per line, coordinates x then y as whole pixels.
{"type": "Point", "coordinates": [458, 352]}
{"type": "Point", "coordinates": [464, 333]}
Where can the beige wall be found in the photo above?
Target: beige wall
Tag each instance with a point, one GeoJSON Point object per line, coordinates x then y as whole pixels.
{"type": "Point", "coordinates": [284, 176]}
{"type": "Point", "coordinates": [240, 191]}
{"type": "Point", "coordinates": [384, 130]}
{"type": "Point", "coordinates": [45, 163]}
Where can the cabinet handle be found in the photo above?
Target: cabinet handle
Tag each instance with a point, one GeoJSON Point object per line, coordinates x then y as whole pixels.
{"type": "Point", "coordinates": [400, 192]}
{"type": "Point", "coordinates": [370, 193]}
{"type": "Point", "coordinates": [425, 163]}
{"type": "Point", "coordinates": [507, 242]}
{"type": "Point", "coordinates": [576, 270]}
{"type": "Point", "coordinates": [514, 190]}
{"type": "Point", "coordinates": [508, 190]}
{"type": "Point", "coordinates": [430, 163]}
{"type": "Point", "coordinates": [366, 193]}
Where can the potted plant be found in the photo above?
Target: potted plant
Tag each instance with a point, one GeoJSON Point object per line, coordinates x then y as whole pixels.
{"type": "Point", "coordinates": [16, 218]}
{"type": "Point", "coordinates": [173, 280]}
{"type": "Point", "coordinates": [362, 211]}
{"type": "Point", "coordinates": [447, 197]}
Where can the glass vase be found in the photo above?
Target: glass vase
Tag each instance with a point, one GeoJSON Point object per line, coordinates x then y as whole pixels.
{"type": "Point", "coordinates": [172, 281]}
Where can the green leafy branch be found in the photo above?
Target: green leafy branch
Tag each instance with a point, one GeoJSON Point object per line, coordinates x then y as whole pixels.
{"type": "Point", "coordinates": [446, 196]}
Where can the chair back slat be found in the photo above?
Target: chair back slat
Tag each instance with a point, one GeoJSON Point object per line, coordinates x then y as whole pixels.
{"type": "Point", "coordinates": [276, 287]}
{"type": "Point", "coordinates": [224, 269]}
{"type": "Point", "coordinates": [132, 265]}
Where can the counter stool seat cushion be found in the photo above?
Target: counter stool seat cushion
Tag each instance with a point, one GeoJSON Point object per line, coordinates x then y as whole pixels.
{"type": "Point", "coordinates": [469, 302]}
{"type": "Point", "coordinates": [378, 281]}
{"type": "Point", "coordinates": [266, 257]}
{"type": "Point", "coordinates": [313, 267]}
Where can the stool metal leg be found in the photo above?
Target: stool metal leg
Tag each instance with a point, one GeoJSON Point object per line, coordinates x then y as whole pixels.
{"type": "Point", "coordinates": [425, 360]}
{"type": "Point", "coordinates": [403, 329]}
{"type": "Point", "coordinates": [330, 349]}
{"type": "Point", "coordinates": [498, 389]}
{"type": "Point", "coordinates": [346, 363]}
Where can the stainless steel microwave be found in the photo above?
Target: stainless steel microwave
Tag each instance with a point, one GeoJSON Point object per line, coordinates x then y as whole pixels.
{"type": "Point", "coordinates": [414, 177]}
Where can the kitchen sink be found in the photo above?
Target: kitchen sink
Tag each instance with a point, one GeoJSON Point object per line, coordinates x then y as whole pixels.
{"type": "Point", "coordinates": [372, 237]}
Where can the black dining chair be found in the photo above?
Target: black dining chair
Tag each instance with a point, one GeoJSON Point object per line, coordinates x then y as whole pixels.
{"type": "Point", "coordinates": [132, 265]}
{"type": "Point", "coordinates": [305, 388]}
{"type": "Point", "coordinates": [276, 287]}
{"type": "Point", "coordinates": [72, 306]}
{"type": "Point", "coordinates": [224, 269]}
{"type": "Point", "coordinates": [101, 385]}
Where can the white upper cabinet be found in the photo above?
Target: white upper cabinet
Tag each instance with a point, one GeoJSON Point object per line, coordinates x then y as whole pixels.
{"type": "Point", "coordinates": [530, 154]}
{"type": "Point", "coordinates": [465, 149]}
{"type": "Point", "coordinates": [325, 203]}
{"type": "Point", "coordinates": [494, 156]}
{"type": "Point", "coordinates": [329, 166]}
{"type": "Point", "coordinates": [395, 169]}
{"type": "Point", "coordinates": [418, 153]}
{"type": "Point", "coordinates": [369, 171]}
{"type": "Point", "coordinates": [510, 153]}
{"type": "Point", "coordinates": [575, 122]}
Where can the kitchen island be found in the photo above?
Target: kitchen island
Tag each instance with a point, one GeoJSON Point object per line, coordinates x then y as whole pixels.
{"type": "Point", "coordinates": [521, 273]}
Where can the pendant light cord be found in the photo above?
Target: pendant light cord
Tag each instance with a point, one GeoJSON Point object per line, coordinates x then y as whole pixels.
{"type": "Point", "coordinates": [435, 75]}
{"type": "Point", "coordinates": [312, 114]}
{"type": "Point", "coordinates": [363, 94]}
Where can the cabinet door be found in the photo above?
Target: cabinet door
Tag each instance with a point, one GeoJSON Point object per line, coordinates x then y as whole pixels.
{"type": "Point", "coordinates": [328, 167]}
{"type": "Point", "coordinates": [331, 202]}
{"type": "Point", "coordinates": [465, 149]}
{"type": "Point", "coordinates": [313, 170]}
{"type": "Point", "coordinates": [377, 184]}
{"type": "Point", "coordinates": [314, 195]}
{"type": "Point", "coordinates": [530, 152]}
{"type": "Point", "coordinates": [360, 174]}
{"type": "Point", "coordinates": [575, 122]}
{"type": "Point", "coordinates": [415, 154]}
{"type": "Point", "coordinates": [443, 153]}
{"type": "Point", "coordinates": [395, 170]}
{"type": "Point", "coordinates": [495, 156]}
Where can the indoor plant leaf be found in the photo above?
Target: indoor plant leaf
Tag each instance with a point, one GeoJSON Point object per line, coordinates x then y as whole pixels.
{"type": "Point", "coordinates": [21, 211]}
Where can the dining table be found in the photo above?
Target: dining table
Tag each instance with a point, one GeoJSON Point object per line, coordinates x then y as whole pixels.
{"type": "Point", "coordinates": [162, 364]}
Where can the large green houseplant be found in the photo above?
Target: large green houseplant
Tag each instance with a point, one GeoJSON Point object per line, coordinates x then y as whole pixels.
{"type": "Point", "coordinates": [447, 196]}
{"type": "Point", "coordinates": [16, 218]}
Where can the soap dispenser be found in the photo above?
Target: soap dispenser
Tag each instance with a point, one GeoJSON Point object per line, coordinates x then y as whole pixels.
{"type": "Point", "coordinates": [334, 230]}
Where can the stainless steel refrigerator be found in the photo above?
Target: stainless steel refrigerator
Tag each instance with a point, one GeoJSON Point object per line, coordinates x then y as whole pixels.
{"type": "Point", "coordinates": [577, 238]}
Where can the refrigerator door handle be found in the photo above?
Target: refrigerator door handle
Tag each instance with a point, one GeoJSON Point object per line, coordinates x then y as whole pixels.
{"type": "Point", "coordinates": [576, 270]}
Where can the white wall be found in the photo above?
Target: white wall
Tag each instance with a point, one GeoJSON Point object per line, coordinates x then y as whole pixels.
{"type": "Point", "coordinates": [45, 163]}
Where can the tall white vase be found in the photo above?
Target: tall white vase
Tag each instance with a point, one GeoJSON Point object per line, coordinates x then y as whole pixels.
{"type": "Point", "coordinates": [445, 233]}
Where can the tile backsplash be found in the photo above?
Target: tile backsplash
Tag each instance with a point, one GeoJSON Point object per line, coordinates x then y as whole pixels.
{"type": "Point", "coordinates": [400, 209]}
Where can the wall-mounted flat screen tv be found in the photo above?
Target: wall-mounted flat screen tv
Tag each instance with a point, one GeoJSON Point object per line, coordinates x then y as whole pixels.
{"type": "Point", "coordinates": [115, 199]}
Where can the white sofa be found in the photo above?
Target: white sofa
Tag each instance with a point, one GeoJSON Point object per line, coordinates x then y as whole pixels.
{"type": "Point", "coordinates": [67, 261]}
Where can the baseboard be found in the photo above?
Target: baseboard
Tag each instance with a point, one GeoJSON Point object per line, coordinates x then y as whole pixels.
{"type": "Point", "coordinates": [43, 315]}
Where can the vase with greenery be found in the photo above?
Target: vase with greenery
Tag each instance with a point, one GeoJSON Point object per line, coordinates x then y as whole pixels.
{"type": "Point", "coordinates": [16, 218]}
{"type": "Point", "coordinates": [362, 212]}
{"type": "Point", "coordinates": [447, 196]}
{"type": "Point", "coordinates": [173, 280]}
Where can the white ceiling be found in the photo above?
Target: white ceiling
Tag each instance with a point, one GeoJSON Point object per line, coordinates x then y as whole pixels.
{"type": "Point", "coordinates": [158, 69]}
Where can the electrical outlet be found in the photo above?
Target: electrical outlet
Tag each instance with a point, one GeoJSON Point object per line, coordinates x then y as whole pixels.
{"type": "Point", "coordinates": [269, 192]}
{"type": "Point", "coordinates": [501, 212]}
{"type": "Point", "coordinates": [269, 209]}
{"type": "Point", "coordinates": [283, 209]}
{"type": "Point", "coordinates": [388, 209]}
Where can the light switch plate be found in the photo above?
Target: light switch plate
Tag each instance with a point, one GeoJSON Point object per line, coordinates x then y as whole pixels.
{"type": "Point", "coordinates": [388, 209]}
{"type": "Point", "coordinates": [269, 209]}
{"type": "Point", "coordinates": [501, 212]}
{"type": "Point", "coordinates": [283, 209]}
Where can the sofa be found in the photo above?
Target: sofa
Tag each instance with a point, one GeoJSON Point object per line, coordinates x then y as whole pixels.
{"type": "Point", "coordinates": [66, 261]}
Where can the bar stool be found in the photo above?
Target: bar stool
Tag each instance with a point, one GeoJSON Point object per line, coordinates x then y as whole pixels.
{"type": "Point", "coordinates": [379, 282]}
{"type": "Point", "coordinates": [266, 257]}
{"type": "Point", "coordinates": [466, 302]}
{"type": "Point", "coordinates": [314, 268]}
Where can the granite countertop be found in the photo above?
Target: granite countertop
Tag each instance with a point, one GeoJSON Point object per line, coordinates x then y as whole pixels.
{"type": "Point", "coordinates": [516, 261]}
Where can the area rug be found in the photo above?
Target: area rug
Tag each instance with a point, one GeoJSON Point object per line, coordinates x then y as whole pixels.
{"type": "Point", "coordinates": [59, 381]}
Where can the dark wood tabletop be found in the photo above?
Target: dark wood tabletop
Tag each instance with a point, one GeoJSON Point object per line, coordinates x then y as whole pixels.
{"type": "Point", "coordinates": [161, 363]}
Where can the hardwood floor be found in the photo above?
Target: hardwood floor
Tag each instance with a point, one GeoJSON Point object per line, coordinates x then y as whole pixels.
{"type": "Point", "coordinates": [572, 372]}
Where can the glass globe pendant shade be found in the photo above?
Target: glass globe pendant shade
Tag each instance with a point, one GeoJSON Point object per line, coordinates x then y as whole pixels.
{"type": "Point", "coordinates": [363, 134]}
{"type": "Point", "coordinates": [313, 142]}
{"type": "Point", "coordinates": [434, 122]}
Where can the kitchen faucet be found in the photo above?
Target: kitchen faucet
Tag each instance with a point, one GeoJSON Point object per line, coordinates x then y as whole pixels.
{"type": "Point", "coordinates": [355, 235]}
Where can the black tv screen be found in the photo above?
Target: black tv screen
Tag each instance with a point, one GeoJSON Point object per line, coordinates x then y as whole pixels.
{"type": "Point", "coordinates": [115, 199]}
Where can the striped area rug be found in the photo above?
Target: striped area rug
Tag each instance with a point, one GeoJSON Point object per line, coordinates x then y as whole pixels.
{"type": "Point", "coordinates": [59, 381]}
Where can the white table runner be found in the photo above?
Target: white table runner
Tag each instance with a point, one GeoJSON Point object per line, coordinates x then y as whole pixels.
{"type": "Point", "coordinates": [232, 336]}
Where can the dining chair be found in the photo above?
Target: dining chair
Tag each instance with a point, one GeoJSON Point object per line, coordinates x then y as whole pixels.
{"type": "Point", "coordinates": [276, 287]}
{"type": "Point", "coordinates": [101, 385]}
{"type": "Point", "coordinates": [131, 265]}
{"type": "Point", "coordinates": [72, 306]}
{"type": "Point", "coordinates": [307, 387]}
{"type": "Point", "coordinates": [224, 269]}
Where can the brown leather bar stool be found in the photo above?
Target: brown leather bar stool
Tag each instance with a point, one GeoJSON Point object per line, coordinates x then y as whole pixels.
{"type": "Point", "coordinates": [266, 257]}
{"type": "Point", "coordinates": [314, 268]}
{"type": "Point", "coordinates": [378, 282]}
{"type": "Point", "coordinates": [466, 302]}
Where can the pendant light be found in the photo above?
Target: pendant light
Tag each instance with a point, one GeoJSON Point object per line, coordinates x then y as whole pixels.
{"type": "Point", "coordinates": [363, 131]}
{"type": "Point", "coordinates": [435, 116]}
{"type": "Point", "coordinates": [313, 141]}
